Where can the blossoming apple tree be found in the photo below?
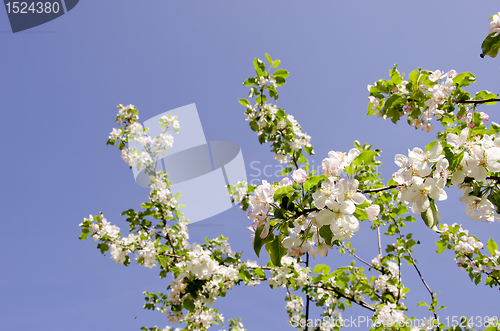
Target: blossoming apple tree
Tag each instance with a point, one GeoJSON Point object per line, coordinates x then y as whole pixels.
{"type": "Point", "coordinates": [308, 213]}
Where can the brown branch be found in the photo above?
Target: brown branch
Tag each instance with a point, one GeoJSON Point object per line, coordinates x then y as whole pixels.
{"type": "Point", "coordinates": [379, 189]}
{"type": "Point", "coordinates": [468, 179]}
{"type": "Point", "coordinates": [307, 296]}
{"type": "Point", "coordinates": [167, 235]}
{"type": "Point", "coordinates": [476, 102]}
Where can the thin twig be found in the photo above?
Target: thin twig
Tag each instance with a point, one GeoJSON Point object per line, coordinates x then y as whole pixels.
{"type": "Point", "coordinates": [433, 296]}
{"type": "Point", "coordinates": [362, 303]}
{"type": "Point", "coordinates": [307, 295]}
{"type": "Point", "coordinates": [357, 257]}
{"type": "Point", "coordinates": [379, 241]}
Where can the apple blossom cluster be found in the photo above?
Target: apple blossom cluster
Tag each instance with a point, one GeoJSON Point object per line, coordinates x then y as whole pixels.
{"type": "Point", "coordinates": [145, 244]}
{"type": "Point", "coordinates": [335, 201]}
{"type": "Point", "coordinates": [430, 86]}
{"type": "Point", "coordinates": [235, 325]}
{"type": "Point", "coordinates": [160, 193]}
{"type": "Point", "coordinates": [340, 198]}
{"type": "Point", "coordinates": [334, 165]}
{"type": "Point", "coordinates": [328, 300]}
{"type": "Point", "coordinates": [478, 209]}
{"type": "Point", "coordinates": [270, 80]}
{"type": "Point", "coordinates": [289, 269]}
{"type": "Point", "coordinates": [495, 25]}
{"type": "Point", "coordinates": [204, 273]}
{"type": "Point", "coordinates": [469, 119]}
{"type": "Point", "coordinates": [389, 315]}
{"type": "Point", "coordinates": [271, 123]}
{"type": "Point", "coordinates": [481, 154]}
{"type": "Point", "coordinates": [132, 130]}
{"type": "Point", "coordinates": [417, 179]}
{"type": "Point", "coordinates": [238, 192]}
{"type": "Point", "coordinates": [280, 127]}
{"type": "Point", "coordinates": [439, 93]}
{"type": "Point", "coordinates": [385, 282]}
{"type": "Point", "coordinates": [468, 254]}
{"type": "Point", "coordinates": [260, 202]}
{"type": "Point", "coordinates": [294, 307]}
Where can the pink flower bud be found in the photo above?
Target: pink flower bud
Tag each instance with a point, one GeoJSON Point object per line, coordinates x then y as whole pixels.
{"type": "Point", "coordinates": [372, 212]}
{"type": "Point", "coordinates": [299, 176]}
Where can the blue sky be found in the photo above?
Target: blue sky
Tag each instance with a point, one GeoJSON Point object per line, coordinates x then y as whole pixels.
{"type": "Point", "coordinates": [60, 84]}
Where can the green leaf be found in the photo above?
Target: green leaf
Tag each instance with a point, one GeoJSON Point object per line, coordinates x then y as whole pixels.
{"type": "Point", "coordinates": [285, 171]}
{"type": "Point", "coordinates": [254, 126]}
{"type": "Point", "coordinates": [414, 77]}
{"type": "Point", "coordinates": [453, 159]}
{"type": "Point", "coordinates": [249, 82]}
{"type": "Point", "coordinates": [365, 158]}
{"type": "Point", "coordinates": [494, 198]}
{"type": "Point", "coordinates": [477, 280]}
{"type": "Point", "coordinates": [464, 79]}
{"type": "Point", "coordinates": [430, 216]}
{"type": "Point", "coordinates": [432, 144]}
{"type": "Point", "coordinates": [259, 66]}
{"type": "Point", "coordinates": [276, 250]}
{"type": "Point", "coordinates": [494, 128]}
{"type": "Point", "coordinates": [269, 59]}
{"type": "Point", "coordinates": [244, 102]}
{"type": "Point", "coordinates": [258, 242]}
{"type": "Point", "coordinates": [392, 106]}
{"type": "Point", "coordinates": [282, 191]}
{"type": "Point", "coordinates": [85, 233]}
{"type": "Point", "coordinates": [490, 45]}
{"type": "Point", "coordinates": [350, 169]}
{"type": "Point", "coordinates": [321, 268]}
{"type": "Point", "coordinates": [485, 95]}
{"type": "Point", "coordinates": [188, 304]}
{"type": "Point", "coordinates": [276, 63]}
{"type": "Point", "coordinates": [492, 247]}
{"type": "Point", "coordinates": [395, 75]}
{"type": "Point", "coordinates": [281, 73]}
{"type": "Point", "coordinates": [103, 247]}
{"type": "Point", "coordinates": [312, 182]}
{"type": "Point", "coordinates": [326, 233]}
{"type": "Point", "coordinates": [441, 247]}
{"type": "Point", "coordinates": [309, 150]}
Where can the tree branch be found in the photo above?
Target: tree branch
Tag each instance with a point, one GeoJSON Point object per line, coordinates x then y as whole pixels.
{"type": "Point", "coordinates": [433, 296]}
{"type": "Point", "coordinates": [379, 241]}
{"type": "Point", "coordinates": [380, 189]}
{"type": "Point", "coordinates": [476, 102]}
